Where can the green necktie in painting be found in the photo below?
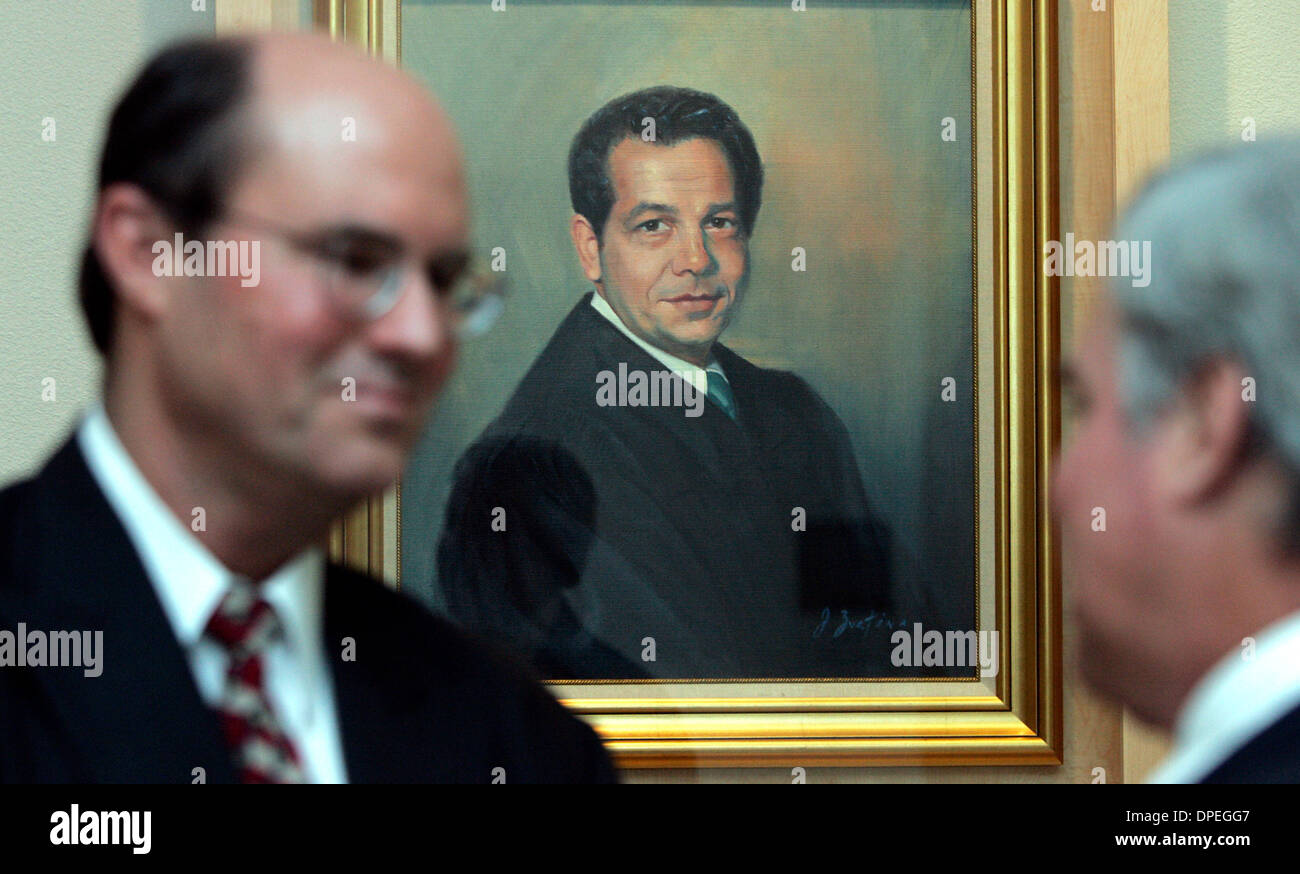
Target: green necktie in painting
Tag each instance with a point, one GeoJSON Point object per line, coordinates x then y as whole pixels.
{"type": "Point", "coordinates": [720, 393]}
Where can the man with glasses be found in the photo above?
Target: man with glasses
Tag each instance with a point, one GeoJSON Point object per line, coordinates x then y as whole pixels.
{"type": "Point", "coordinates": [177, 534]}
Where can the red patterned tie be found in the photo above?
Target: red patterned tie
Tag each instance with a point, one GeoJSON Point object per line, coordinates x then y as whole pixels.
{"type": "Point", "coordinates": [245, 625]}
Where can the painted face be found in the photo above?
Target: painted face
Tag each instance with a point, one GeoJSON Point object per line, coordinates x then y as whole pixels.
{"type": "Point", "coordinates": [673, 259]}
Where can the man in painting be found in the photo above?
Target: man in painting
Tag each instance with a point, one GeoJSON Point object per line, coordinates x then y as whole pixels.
{"type": "Point", "coordinates": [649, 503]}
{"type": "Point", "coordinates": [1187, 439]}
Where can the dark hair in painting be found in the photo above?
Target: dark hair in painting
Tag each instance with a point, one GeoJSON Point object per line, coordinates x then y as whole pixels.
{"type": "Point", "coordinates": [173, 135]}
{"type": "Point", "coordinates": [679, 114]}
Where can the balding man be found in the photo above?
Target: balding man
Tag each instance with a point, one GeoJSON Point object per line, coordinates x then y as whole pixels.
{"type": "Point", "coordinates": [1188, 439]}
{"type": "Point", "coordinates": [275, 278]}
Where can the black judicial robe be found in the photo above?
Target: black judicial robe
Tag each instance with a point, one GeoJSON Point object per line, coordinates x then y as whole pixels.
{"type": "Point", "coordinates": [639, 542]}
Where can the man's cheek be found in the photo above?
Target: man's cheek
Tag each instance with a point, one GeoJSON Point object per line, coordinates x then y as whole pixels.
{"type": "Point", "coordinates": [291, 380]}
{"type": "Point", "coordinates": [735, 262]}
{"type": "Point", "coordinates": [297, 331]}
{"type": "Point", "coordinates": [439, 372]}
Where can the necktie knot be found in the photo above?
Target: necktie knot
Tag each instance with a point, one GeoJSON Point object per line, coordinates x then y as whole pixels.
{"type": "Point", "coordinates": [244, 623]}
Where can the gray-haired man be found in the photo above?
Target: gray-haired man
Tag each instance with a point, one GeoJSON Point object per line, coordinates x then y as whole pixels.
{"type": "Point", "coordinates": [1188, 439]}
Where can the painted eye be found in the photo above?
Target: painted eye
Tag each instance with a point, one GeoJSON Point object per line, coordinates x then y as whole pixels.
{"type": "Point", "coordinates": [652, 225]}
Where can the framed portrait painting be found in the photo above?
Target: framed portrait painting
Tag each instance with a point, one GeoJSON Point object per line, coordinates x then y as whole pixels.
{"type": "Point", "coordinates": [746, 451]}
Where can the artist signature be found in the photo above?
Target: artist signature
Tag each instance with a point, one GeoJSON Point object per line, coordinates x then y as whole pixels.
{"type": "Point", "coordinates": [866, 624]}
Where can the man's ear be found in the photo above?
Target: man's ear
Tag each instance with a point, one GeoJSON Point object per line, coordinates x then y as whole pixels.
{"type": "Point", "coordinates": [126, 227]}
{"type": "Point", "coordinates": [587, 244]}
{"type": "Point", "coordinates": [1203, 437]}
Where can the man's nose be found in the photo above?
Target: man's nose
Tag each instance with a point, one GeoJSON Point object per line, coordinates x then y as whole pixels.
{"type": "Point", "coordinates": [694, 255]}
{"type": "Point", "coordinates": [417, 327]}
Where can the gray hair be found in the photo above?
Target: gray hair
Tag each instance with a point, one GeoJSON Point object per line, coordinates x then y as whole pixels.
{"type": "Point", "coordinates": [1225, 284]}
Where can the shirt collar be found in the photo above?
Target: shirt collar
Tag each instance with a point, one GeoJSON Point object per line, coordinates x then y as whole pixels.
{"type": "Point", "coordinates": [188, 579]}
{"type": "Point", "coordinates": [1237, 699]}
{"type": "Point", "coordinates": [693, 373]}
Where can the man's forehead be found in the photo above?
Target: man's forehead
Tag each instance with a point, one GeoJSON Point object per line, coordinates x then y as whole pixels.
{"type": "Point", "coordinates": [287, 59]}
{"type": "Point", "coordinates": [315, 181]}
{"type": "Point", "coordinates": [360, 144]}
{"type": "Point", "coordinates": [307, 89]}
{"type": "Point", "coordinates": [697, 165]}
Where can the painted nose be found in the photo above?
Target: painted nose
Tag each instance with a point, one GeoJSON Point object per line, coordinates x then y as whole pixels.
{"type": "Point", "coordinates": [694, 256]}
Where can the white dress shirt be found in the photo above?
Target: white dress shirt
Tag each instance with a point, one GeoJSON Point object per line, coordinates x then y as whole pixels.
{"type": "Point", "coordinates": [189, 582]}
{"type": "Point", "coordinates": [1236, 700]}
{"type": "Point", "coordinates": [692, 373]}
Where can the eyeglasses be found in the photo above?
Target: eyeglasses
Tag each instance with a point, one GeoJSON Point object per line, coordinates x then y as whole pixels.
{"type": "Point", "coordinates": [364, 271]}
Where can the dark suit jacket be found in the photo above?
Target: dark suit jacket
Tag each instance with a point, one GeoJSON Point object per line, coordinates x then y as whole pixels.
{"type": "Point", "coordinates": [623, 524]}
{"type": "Point", "coordinates": [1272, 756]}
{"type": "Point", "coordinates": [421, 701]}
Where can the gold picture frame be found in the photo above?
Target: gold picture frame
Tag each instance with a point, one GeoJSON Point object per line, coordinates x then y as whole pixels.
{"type": "Point", "coordinates": [1015, 718]}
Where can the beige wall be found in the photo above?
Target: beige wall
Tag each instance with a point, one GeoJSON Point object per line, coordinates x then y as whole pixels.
{"type": "Point", "coordinates": [67, 61]}
{"type": "Point", "coordinates": [1229, 60]}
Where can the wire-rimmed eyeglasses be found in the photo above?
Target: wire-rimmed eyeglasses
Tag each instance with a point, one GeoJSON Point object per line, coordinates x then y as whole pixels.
{"type": "Point", "coordinates": [364, 271]}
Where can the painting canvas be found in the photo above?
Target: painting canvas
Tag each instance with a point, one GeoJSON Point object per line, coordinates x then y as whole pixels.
{"type": "Point", "coordinates": [606, 537]}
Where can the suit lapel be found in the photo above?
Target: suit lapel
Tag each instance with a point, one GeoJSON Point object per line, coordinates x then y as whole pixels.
{"type": "Point", "coordinates": [142, 719]}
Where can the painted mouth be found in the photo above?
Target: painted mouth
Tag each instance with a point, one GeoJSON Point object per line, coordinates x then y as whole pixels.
{"type": "Point", "coordinates": [695, 303]}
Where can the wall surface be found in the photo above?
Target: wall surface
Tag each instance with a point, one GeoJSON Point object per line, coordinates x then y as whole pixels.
{"type": "Point", "coordinates": [64, 60]}
{"type": "Point", "coordinates": [1230, 60]}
